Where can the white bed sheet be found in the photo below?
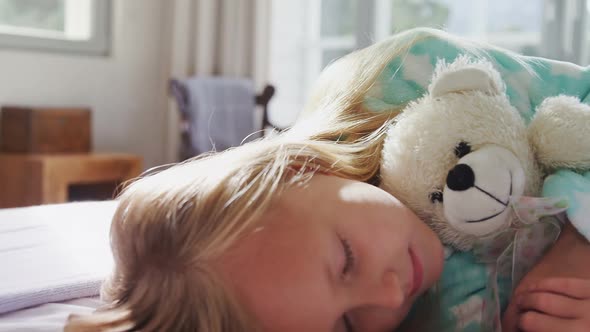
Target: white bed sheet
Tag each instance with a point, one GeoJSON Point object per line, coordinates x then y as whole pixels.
{"type": "Point", "coordinates": [49, 317]}
{"type": "Point", "coordinates": [48, 254]}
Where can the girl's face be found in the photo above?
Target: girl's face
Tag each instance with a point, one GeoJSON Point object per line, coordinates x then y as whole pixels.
{"type": "Point", "coordinates": [335, 255]}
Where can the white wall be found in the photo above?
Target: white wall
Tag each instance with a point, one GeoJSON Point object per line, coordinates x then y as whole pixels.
{"type": "Point", "coordinates": [126, 90]}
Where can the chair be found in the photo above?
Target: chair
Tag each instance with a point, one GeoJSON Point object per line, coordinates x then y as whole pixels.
{"type": "Point", "coordinates": [181, 96]}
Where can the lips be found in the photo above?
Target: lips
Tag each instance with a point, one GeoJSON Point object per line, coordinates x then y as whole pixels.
{"type": "Point", "coordinates": [418, 273]}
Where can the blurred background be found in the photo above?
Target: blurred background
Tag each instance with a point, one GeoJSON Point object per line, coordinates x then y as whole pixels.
{"type": "Point", "coordinates": [309, 34]}
{"type": "Point", "coordinates": [116, 58]}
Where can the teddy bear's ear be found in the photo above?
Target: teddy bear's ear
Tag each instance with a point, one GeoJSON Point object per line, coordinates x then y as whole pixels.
{"type": "Point", "coordinates": [466, 75]}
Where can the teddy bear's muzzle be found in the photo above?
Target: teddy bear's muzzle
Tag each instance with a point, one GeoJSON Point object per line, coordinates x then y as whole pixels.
{"type": "Point", "coordinates": [479, 189]}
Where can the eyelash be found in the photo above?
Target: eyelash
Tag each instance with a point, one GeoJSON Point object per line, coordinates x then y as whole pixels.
{"type": "Point", "coordinates": [348, 266]}
{"type": "Point", "coordinates": [349, 262]}
{"type": "Point", "coordinates": [347, 324]}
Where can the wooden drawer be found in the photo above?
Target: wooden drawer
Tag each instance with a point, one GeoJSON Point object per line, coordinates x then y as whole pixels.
{"type": "Point", "coordinates": [32, 179]}
{"type": "Point", "coordinates": [45, 130]}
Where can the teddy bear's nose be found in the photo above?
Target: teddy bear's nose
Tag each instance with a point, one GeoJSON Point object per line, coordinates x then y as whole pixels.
{"type": "Point", "coordinates": [460, 178]}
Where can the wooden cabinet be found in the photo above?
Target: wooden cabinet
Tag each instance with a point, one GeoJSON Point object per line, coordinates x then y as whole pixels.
{"type": "Point", "coordinates": [45, 130]}
{"type": "Point", "coordinates": [32, 179]}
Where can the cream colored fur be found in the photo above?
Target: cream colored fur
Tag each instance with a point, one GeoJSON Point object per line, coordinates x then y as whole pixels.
{"type": "Point", "coordinates": [560, 133]}
{"type": "Point", "coordinates": [466, 102]}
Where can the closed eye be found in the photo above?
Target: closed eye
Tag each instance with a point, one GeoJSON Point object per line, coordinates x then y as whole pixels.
{"type": "Point", "coordinates": [347, 323]}
{"type": "Point", "coordinates": [346, 271]}
{"type": "Point", "coordinates": [349, 257]}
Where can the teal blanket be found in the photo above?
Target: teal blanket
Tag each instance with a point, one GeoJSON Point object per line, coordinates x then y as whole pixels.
{"type": "Point", "coordinates": [529, 80]}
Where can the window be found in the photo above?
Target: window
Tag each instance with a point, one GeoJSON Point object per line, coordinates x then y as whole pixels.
{"type": "Point", "coordinates": [336, 37]}
{"type": "Point", "coordinates": [555, 29]}
{"type": "Point", "coordinates": [308, 35]}
{"type": "Point", "coordinates": [331, 33]}
{"type": "Point", "coordinates": [305, 37]}
{"type": "Point", "coordinates": [493, 21]}
{"type": "Point", "coordinates": [80, 26]}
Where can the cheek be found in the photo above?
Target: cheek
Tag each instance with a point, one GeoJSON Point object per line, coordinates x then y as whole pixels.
{"type": "Point", "coordinates": [379, 319]}
{"type": "Point", "coordinates": [387, 236]}
{"type": "Point", "coordinates": [429, 245]}
{"type": "Point", "coordinates": [276, 283]}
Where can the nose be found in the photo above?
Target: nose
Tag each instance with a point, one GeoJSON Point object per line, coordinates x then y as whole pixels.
{"type": "Point", "coordinates": [388, 294]}
{"type": "Point", "coordinates": [461, 178]}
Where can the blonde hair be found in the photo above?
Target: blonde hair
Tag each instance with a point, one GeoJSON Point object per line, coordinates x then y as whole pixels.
{"type": "Point", "coordinates": [170, 227]}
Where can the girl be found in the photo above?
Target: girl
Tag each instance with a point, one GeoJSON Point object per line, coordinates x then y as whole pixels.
{"type": "Point", "coordinates": [256, 239]}
{"type": "Point", "coordinates": [268, 236]}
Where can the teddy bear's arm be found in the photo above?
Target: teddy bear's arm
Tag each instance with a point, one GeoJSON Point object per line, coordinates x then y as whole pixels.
{"type": "Point", "coordinates": [560, 133]}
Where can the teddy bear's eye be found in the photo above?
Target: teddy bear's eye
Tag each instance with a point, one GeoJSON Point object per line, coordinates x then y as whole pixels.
{"type": "Point", "coordinates": [462, 149]}
{"type": "Point", "coordinates": [436, 196]}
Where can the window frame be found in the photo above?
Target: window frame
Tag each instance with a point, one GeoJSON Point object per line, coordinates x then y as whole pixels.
{"type": "Point", "coordinates": [316, 44]}
{"type": "Point", "coordinates": [98, 43]}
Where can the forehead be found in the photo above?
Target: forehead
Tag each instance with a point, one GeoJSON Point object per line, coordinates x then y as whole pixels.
{"type": "Point", "coordinates": [331, 195]}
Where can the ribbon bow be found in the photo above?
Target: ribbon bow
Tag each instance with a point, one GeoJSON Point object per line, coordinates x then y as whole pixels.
{"type": "Point", "coordinates": [513, 251]}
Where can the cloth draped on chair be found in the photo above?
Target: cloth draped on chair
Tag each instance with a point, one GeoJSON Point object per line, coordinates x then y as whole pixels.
{"type": "Point", "coordinates": [218, 112]}
{"type": "Point", "coordinates": [216, 38]}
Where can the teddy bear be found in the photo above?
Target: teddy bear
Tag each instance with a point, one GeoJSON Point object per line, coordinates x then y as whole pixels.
{"type": "Point", "coordinates": [469, 165]}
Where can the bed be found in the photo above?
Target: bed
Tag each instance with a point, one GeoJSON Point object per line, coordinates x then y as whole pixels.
{"type": "Point", "coordinates": [53, 259]}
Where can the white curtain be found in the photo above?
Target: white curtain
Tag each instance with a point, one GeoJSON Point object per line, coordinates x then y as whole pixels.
{"type": "Point", "coordinates": [216, 37]}
{"type": "Point", "coordinates": [565, 30]}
